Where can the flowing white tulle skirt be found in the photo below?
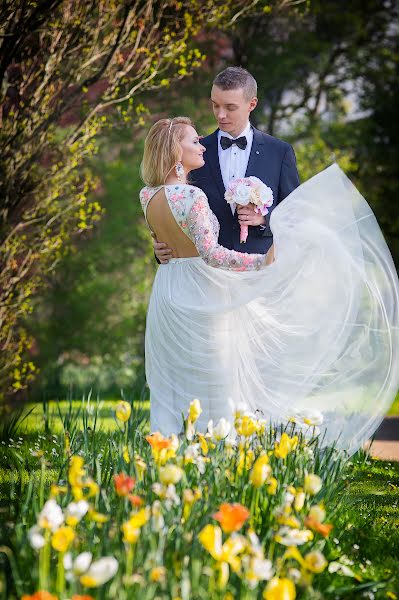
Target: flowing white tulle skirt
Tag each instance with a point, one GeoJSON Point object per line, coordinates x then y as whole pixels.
{"type": "Point", "coordinates": [316, 332]}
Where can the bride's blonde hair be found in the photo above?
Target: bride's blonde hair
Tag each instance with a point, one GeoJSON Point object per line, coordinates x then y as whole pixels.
{"type": "Point", "coordinates": [162, 149]}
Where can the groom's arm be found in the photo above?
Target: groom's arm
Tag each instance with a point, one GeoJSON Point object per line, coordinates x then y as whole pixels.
{"type": "Point", "coordinates": [289, 180]}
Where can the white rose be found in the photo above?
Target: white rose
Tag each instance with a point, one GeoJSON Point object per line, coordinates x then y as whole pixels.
{"type": "Point", "coordinates": [242, 194]}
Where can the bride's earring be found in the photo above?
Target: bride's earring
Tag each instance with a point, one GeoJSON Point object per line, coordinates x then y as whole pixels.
{"type": "Point", "coordinates": [179, 170]}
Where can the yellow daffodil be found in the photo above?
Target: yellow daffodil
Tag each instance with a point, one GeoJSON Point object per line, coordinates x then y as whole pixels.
{"type": "Point", "coordinates": [246, 426]}
{"type": "Point", "coordinates": [261, 471]}
{"type": "Point", "coordinates": [140, 518]}
{"type": "Point", "coordinates": [285, 446]}
{"type": "Point", "coordinates": [194, 411]}
{"type": "Point", "coordinates": [280, 589]}
{"type": "Point", "coordinates": [62, 539]}
{"type": "Point", "coordinates": [313, 484]}
{"type": "Point", "coordinates": [158, 574]}
{"type": "Point", "coordinates": [203, 444]}
{"type": "Point", "coordinates": [141, 466]}
{"type": "Point", "coordinates": [272, 486]}
{"type": "Point", "coordinates": [97, 517]}
{"type": "Point", "coordinates": [76, 471]}
{"type": "Point", "coordinates": [130, 533]}
{"type": "Point", "coordinates": [123, 410]}
{"type": "Point", "coordinates": [245, 460]}
{"type": "Point", "coordinates": [170, 474]}
{"type": "Point", "coordinates": [299, 501]}
{"type": "Point", "coordinates": [125, 455]}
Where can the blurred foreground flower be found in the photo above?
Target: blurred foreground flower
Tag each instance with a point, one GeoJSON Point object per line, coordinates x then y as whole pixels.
{"type": "Point", "coordinates": [123, 484]}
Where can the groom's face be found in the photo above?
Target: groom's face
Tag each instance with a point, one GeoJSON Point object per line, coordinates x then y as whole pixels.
{"type": "Point", "coordinates": [232, 109]}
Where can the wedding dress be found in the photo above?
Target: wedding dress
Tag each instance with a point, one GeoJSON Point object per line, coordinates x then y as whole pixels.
{"type": "Point", "coordinates": [314, 333]}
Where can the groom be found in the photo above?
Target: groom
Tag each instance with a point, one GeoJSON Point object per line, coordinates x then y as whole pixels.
{"type": "Point", "coordinates": [234, 150]}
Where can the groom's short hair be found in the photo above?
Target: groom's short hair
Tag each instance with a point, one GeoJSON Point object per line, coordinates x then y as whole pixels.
{"type": "Point", "coordinates": [234, 78]}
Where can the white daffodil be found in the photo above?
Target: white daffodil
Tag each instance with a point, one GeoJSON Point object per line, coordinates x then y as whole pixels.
{"type": "Point", "coordinates": [99, 572]}
{"type": "Point", "coordinates": [193, 455]}
{"type": "Point", "coordinates": [157, 520]}
{"type": "Point", "coordinates": [262, 568]}
{"type": "Point", "coordinates": [75, 511]}
{"type": "Point", "coordinates": [77, 567]}
{"type": "Point", "coordinates": [51, 516]}
{"type": "Point", "coordinates": [337, 567]}
{"type": "Point", "coordinates": [36, 538]}
{"type": "Point", "coordinates": [288, 536]}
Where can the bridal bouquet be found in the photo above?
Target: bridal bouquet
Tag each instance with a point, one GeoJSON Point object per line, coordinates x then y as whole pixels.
{"type": "Point", "coordinates": [248, 190]}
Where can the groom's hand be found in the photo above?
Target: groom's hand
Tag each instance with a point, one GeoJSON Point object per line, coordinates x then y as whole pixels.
{"type": "Point", "coordinates": [248, 216]}
{"type": "Point", "coordinates": [161, 251]}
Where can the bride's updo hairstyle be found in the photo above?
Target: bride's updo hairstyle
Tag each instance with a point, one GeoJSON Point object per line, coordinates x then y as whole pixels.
{"type": "Point", "coordinates": [162, 149]}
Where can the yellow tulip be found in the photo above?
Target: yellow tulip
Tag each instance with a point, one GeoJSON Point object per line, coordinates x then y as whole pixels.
{"type": "Point", "coordinates": [62, 539]}
{"type": "Point", "coordinates": [280, 589]}
{"type": "Point", "coordinates": [123, 410]}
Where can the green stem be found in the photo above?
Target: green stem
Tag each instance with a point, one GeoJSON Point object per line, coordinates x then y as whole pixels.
{"type": "Point", "coordinates": [44, 562]}
{"type": "Point", "coordinates": [60, 574]}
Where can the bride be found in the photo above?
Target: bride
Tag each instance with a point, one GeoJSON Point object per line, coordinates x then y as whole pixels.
{"type": "Point", "coordinates": [310, 330]}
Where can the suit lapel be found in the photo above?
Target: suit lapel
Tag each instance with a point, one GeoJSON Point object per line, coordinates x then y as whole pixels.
{"type": "Point", "coordinates": [212, 158]}
{"type": "Point", "coordinates": [256, 155]}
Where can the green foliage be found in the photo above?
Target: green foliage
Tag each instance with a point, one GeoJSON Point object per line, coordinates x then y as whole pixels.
{"type": "Point", "coordinates": [67, 72]}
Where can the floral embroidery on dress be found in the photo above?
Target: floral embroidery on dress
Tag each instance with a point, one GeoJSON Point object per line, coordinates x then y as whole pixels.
{"type": "Point", "coordinates": [190, 208]}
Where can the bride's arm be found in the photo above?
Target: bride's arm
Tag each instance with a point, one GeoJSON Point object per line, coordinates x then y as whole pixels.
{"type": "Point", "coordinates": [204, 234]}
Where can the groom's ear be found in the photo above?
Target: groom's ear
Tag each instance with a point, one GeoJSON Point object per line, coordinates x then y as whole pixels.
{"type": "Point", "coordinates": [253, 104]}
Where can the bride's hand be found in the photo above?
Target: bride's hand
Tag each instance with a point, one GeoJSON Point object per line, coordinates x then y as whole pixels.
{"type": "Point", "coordinates": [162, 252]}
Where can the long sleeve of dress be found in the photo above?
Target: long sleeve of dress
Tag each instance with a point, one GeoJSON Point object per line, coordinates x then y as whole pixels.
{"type": "Point", "coordinates": [203, 230]}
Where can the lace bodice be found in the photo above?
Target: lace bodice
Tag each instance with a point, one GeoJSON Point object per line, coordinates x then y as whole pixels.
{"type": "Point", "coordinates": [189, 206]}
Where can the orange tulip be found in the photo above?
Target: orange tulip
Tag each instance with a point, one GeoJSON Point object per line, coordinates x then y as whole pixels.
{"type": "Point", "coordinates": [123, 484]}
{"type": "Point", "coordinates": [80, 597]}
{"type": "Point", "coordinates": [135, 500]}
{"type": "Point", "coordinates": [323, 528]}
{"type": "Point", "coordinates": [231, 516]}
{"type": "Point", "coordinates": [157, 441]}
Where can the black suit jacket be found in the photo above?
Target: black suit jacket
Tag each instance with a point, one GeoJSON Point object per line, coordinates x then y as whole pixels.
{"type": "Point", "coordinates": [272, 161]}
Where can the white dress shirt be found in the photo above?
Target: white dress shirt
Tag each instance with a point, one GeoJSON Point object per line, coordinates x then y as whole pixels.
{"type": "Point", "coordinates": [233, 161]}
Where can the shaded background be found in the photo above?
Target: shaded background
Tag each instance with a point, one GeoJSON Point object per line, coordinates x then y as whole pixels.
{"type": "Point", "coordinates": [327, 83]}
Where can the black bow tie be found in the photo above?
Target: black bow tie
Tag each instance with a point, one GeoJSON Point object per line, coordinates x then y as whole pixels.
{"type": "Point", "coordinates": [226, 142]}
